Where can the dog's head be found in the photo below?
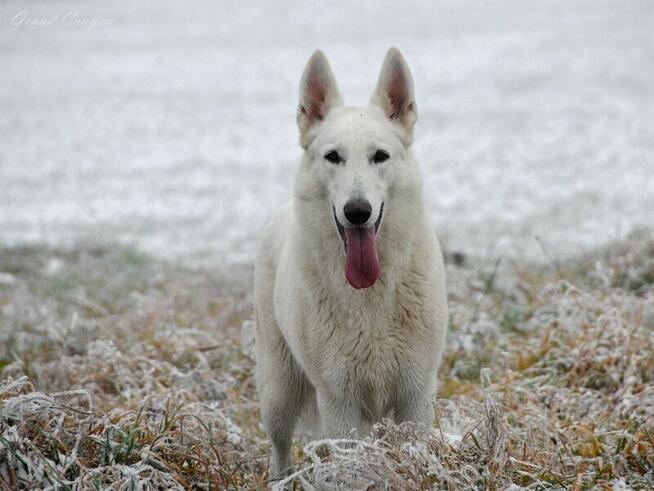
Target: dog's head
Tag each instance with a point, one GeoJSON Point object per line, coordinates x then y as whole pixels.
{"type": "Point", "coordinates": [356, 158]}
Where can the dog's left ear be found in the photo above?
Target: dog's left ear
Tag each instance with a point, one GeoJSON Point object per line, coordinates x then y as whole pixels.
{"type": "Point", "coordinates": [394, 92]}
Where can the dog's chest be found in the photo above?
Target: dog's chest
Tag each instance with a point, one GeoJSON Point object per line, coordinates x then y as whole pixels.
{"type": "Point", "coordinates": [362, 349]}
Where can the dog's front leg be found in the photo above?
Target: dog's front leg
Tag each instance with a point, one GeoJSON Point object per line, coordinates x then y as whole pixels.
{"type": "Point", "coordinates": [339, 414]}
{"type": "Point", "coordinates": [283, 391]}
{"type": "Point", "coordinates": [414, 402]}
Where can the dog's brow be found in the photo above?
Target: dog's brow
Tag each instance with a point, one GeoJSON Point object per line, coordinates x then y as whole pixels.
{"type": "Point", "coordinates": [375, 145]}
{"type": "Point", "coordinates": [330, 147]}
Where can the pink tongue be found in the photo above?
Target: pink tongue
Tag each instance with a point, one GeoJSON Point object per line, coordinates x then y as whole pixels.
{"type": "Point", "coordinates": [361, 262]}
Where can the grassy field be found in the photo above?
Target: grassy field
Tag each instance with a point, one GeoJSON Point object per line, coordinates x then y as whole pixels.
{"type": "Point", "coordinates": [123, 372]}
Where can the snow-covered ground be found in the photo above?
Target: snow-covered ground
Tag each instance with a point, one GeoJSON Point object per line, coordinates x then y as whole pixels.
{"type": "Point", "coordinates": [174, 128]}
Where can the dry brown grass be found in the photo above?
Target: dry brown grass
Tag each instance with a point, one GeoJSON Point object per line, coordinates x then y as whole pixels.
{"type": "Point", "coordinates": [120, 372]}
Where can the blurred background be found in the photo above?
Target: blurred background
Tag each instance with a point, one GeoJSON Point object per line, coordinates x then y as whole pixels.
{"type": "Point", "coordinates": [172, 128]}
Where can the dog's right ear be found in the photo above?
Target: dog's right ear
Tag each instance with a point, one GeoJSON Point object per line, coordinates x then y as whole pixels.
{"type": "Point", "coordinates": [318, 94]}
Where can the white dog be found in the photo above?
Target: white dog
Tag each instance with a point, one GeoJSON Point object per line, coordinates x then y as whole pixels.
{"type": "Point", "coordinates": [350, 302]}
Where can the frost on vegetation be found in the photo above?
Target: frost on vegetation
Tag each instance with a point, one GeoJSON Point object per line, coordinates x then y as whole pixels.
{"type": "Point", "coordinates": [119, 371]}
{"type": "Point", "coordinates": [57, 440]}
{"type": "Point", "coordinates": [409, 456]}
{"type": "Point", "coordinates": [133, 392]}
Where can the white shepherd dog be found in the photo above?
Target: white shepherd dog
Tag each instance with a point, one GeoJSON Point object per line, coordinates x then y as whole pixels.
{"type": "Point", "coordinates": [350, 301]}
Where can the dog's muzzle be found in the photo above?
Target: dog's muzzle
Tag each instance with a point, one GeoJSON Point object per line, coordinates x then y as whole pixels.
{"type": "Point", "coordinates": [341, 228]}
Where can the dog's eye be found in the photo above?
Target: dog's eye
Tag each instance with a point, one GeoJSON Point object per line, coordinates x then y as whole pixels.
{"type": "Point", "coordinates": [380, 156]}
{"type": "Point", "coordinates": [333, 157]}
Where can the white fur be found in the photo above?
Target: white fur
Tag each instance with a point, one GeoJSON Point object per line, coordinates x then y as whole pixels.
{"type": "Point", "coordinates": [351, 356]}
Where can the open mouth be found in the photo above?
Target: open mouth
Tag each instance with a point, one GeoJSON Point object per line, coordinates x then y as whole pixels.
{"type": "Point", "coordinates": [362, 266]}
{"type": "Point", "coordinates": [341, 228]}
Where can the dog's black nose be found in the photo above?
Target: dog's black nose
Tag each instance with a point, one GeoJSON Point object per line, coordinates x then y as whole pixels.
{"type": "Point", "coordinates": [357, 211]}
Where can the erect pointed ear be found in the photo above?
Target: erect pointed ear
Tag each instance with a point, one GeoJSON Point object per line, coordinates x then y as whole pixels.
{"type": "Point", "coordinates": [318, 93]}
{"type": "Point", "coordinates": [394, 92]}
